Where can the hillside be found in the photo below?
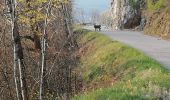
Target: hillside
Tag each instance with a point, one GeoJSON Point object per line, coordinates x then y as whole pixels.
{"type": "Point", "coordinates": [158, 19]}
{"type": "Point", "coordinates": [112, 70]}
{"type": "Point", "coordinates": [37, 50]}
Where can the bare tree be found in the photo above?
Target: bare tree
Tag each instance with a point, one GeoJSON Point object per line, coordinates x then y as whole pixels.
{"type": "Point", "coordinates": [106, 19]}
{"type": "Point", "coordinates": [44, 50]}
{"type": "Point", "coordinates": [18, 52]}
{"type": "Point", "coordinates": [95, 15]}
{"type": "Point", "coordinates": [43, 53]}
{"type": "Point", "coordinates": [79, 15]}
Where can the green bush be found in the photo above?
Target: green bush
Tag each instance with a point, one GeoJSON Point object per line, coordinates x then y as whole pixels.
{"type": "Point", "coordinates": [155, 5]}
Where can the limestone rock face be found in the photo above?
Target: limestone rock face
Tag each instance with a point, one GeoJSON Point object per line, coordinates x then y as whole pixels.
{"type": "Point", "coordinates": [126, 13]}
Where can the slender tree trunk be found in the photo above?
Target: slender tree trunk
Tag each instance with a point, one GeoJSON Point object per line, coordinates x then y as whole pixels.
{"type": "Point", "coordinates": [66, 20]}
{"type": "Point", "coordinates": [18, 55]}
{"type": "Point", "coordinates": [18, 93]}
{"type": "Point", "coordinates": [43, 69]}
{"type": "Point", "coordinates": [20, 60]}
{"type": "Point", "coordinates": [14, 51]}
{"type": "Point", "coordinates": [43, 82]}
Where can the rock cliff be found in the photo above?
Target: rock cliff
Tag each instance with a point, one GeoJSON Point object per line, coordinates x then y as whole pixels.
{"type": "Point", "coordinates": [126, 13]}
{"type": "Point", "coordinates": [152, 16]}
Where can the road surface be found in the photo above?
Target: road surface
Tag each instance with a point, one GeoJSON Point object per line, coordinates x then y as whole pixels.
{"type": "Point", "coordinates": [156, 48]}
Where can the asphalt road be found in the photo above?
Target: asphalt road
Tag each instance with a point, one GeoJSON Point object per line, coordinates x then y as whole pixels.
{"type": "Point", "coordinates": [156, 48]}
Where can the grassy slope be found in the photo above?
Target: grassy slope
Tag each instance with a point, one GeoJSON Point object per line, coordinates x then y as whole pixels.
{"type": "Point", "coordinates": [114, 71]}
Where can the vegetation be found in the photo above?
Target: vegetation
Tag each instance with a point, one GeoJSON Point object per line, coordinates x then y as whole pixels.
{"type": "Point", "coordinates": [114, 71]}
{"type": "Point", "coordinates": [155, 4]}
{"type": "Point", "coordinates": [37, 50]}
{"type": "Point", "coordinates": [157, 17]}
{"type": "Point", "coordinates": [39, 57]}
{"type": "Point", "coordinates": [135, 4]}
{"type": "Point", "coordinates": [158, 23]}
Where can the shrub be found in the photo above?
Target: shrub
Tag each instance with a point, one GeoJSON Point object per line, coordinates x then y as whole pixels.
{"type": "Point", "coordinates": [155, 4]}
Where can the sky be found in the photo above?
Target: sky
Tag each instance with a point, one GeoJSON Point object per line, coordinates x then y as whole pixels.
{"type": "Point", "coordinates": [91, 5]}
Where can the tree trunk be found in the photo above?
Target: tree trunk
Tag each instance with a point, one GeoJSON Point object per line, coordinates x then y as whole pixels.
{"type": "Point", "coordinates": [20, 59]}
{"type": "Point", "coordinates": [18, 56]}
{"type": "Point", "coordinates": [43, 82]}
{"type": "Point", "coordinates": [43, 69]}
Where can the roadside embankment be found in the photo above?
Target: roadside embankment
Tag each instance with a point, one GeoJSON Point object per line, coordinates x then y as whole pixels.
{"type": "Point", "coordinates": [112, 71]}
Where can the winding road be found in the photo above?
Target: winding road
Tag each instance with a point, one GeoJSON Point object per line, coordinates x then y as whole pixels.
{"type": "Point", "coordinates": [156, 48]}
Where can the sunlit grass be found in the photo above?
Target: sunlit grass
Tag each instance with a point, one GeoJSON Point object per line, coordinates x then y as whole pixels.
{"type": "Point", "coordinates": [114, 71]}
